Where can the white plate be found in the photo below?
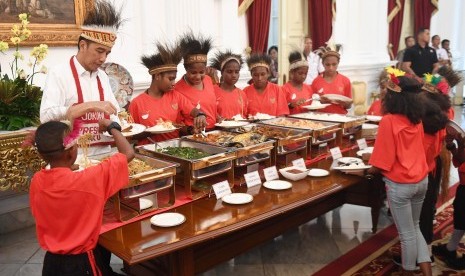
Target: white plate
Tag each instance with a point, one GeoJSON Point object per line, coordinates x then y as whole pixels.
{"type": "Point", "coordinates": [167, 219]}
{"type": "Point", "coordinates": [237, 198]}
{"type": "Point", "coordinates": [136, 129]}
{"type": "Point", "coordinates": [231, 124]}
{"type": "Point", "coordinates": [366, 150]}
{"type": "Point", "coordinates": [337, 97]}
{"type": "Point", "coordinates": [452, 128]}
{"type": "Point", "coordinates": [318, 172]}
{"type": "Point", "coordinates": [353, 169]}
{"type": "Point", "coordinates": [315, 106]}
{"type": "Point", "coordinates": [158, 129]}
{"type": "Point", "coordinates": [373, 118]}
{"type": "Point", "coordinates": [346, 160]}
{"type": "Point", "coordinates": [277, 185]}
{"type": "Point", "coordinates": [262, 116]}
{"type": "Point", "coordinates": [121, 82]}
{"type": "Point", "coordinates": [369, 126]}
{"type": "Point", "coordinates": [145, 203]}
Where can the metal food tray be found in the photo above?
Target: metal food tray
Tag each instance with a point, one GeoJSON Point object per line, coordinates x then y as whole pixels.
{"type": "Point", "coordinates": [219, 161]}
{"type": "Point", "coordinates": [245, 155]}
{"type": "Point", "coordinates": [294, 139]}
{"type": "Point", "coordinates": [324, 134]}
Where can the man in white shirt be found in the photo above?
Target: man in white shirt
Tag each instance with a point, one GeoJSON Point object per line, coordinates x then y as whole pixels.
{"type": "Point", "coordinates": [443, 57]}
{"type": "Point", "coordinates": [78, 88]}
{"type": "Point", "coordinates": [315, 67]}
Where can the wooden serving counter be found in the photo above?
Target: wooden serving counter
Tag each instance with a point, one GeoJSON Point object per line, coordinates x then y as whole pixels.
{"type": "Point", "coordinates": [214, 231]}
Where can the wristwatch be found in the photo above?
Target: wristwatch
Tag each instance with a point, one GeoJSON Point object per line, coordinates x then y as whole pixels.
{"type": "Point", "coordinates": [113, 125]}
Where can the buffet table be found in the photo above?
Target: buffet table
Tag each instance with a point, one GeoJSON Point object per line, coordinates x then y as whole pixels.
{"type": "Point", "coordinates": [214, 231]}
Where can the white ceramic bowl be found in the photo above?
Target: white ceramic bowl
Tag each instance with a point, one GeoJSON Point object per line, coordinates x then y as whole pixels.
{"type": "Point", "coordinates": [293, 176]}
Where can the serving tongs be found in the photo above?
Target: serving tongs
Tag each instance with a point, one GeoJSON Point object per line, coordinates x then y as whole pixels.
{"type": "Point", "coordinates": [155, 144]}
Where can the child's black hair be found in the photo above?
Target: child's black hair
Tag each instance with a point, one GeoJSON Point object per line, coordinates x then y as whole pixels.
{"type": "Point", "coordinates": [49, 139]}
{"type": "Point", "coordinates": [434, 118]}
{"type": "Point", "coordinates": [408, 102]}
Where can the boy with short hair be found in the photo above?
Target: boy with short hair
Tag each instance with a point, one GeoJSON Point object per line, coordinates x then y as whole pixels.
{"type": "Point", "coordinates": [67, 205]}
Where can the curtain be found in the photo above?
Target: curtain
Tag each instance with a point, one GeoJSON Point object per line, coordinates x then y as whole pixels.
{"type": "Point", "coordinates": [423, 10]}
{"type": "Point", "coordinates": [258, 24]}
{"type": "Point", "coordinates": [321, 17]}
{"type": "Point", "coordinates": [395, 18]}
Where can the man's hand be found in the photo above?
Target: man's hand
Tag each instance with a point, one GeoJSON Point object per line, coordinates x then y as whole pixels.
{"type": "Point", "coordinates": [103, 124]}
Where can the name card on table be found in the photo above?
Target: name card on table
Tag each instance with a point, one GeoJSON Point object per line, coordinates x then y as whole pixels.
{"type": "Point", "coordinates": [336, 153]}
{"type": "Point", "coordinates": [271, 173]}
{"type": "Point", "coordinates": [252, 179]}
{"type": "Point", "coordinates": [221, 189]}
{"type": "Point", "coordinates": [362, 143]}
{"type": "Point", "coordinates": [299, 163]}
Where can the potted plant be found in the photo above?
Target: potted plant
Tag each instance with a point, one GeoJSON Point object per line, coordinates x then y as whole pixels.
{"type": "Point", "coordinates": [19, 97]}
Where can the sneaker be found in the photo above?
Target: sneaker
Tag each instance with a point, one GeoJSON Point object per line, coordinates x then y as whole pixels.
{"type": "Point", "coordinates": [442, 252]}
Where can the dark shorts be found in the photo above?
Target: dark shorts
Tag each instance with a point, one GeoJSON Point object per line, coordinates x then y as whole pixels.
{"type": "Point", "coordinates": [72, 265]}
{"type": "Point", "coordinates": [459, 208]}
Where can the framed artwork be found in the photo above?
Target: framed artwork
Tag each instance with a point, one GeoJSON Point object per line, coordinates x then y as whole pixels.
{"type": "Point", "coordinates": [54, 22]}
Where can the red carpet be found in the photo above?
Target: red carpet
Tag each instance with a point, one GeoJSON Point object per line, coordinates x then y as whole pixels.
{"type": "Point", "coordinates": [374, 256]}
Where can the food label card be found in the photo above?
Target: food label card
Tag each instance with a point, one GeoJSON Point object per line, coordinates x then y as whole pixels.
{"type": "Point", "coordinates": [336, 153]}
{"type": "Point", "coordinates": [221, 189]}
{"type": "Point", "coordinates": [252, 179]}
{"type": "Point", "coordinates": [271, 173]}
{"type": "Point", "coordinates": [299, 163]}
{"type": "Point", "coordinates": [362, 143]}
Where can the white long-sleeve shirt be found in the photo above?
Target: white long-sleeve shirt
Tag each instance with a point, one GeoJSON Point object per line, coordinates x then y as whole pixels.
{"type": "Point", "coordinates": [315, 67]}
{"type": "Point", "coordinates": [60, 90]}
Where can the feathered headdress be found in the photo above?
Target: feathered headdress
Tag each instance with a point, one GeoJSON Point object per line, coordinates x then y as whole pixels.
{"type": "Point", "coordinates": [221, 58]}
{"type": "Point", "coordinates": [195, 49]}
{"type": "Point", "coordinates": [452, 77]}
{"type": "Point", "coordinates": [392, 82]}
{"type": "Point", "coordinates": [102, 23]}
{"type": "Point", "coordinates": [297, 60]}
{"type": "Point", "coordinates": [325, 52]}
{"type": "Point", "coordinates": [259, 60]}
{"type": "Point", "coordinates": [167, 59]}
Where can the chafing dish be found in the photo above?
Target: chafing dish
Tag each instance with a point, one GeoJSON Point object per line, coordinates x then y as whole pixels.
{"type": "Point", "coordinates": [193, 170]}
{"type": "Point", "coordinates": [250, 148]}
{"type": "Point", "coordinates": [322, 132]}
{"type": "Point", "coordinates": [288, 140]}
{"type": "Point", "coordinates": [140, 195]}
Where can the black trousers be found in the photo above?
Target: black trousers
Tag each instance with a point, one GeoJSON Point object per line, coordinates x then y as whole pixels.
{"type": "Point", "coordinates": [73, 265]}
{"type": "Point", "coordinates": [459, 208]}
{"type": "Point", "coordinates": [429, 204]}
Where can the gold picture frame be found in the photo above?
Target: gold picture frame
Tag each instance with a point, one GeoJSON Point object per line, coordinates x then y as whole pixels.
{"type": "Point", "coordinates": [50, 33]}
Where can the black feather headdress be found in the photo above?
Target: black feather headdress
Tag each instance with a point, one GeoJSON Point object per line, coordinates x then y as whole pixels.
{"type": "Point", "coordinates": [452, 77]}
{"type": "Point", "coordinates": [221, 58]}
{"type": "Point", "coordinates": [259, 60]}
{"type": "Point", "coordinates": [101, 23]}
{"type": "Point", "coordinates": [166, 59]}
{"type": "Point", "coordinates": [195, 49]}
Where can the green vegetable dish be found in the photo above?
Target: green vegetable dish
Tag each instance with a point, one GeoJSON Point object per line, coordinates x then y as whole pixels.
{"type": "Point", "coordinates": [185, 152]}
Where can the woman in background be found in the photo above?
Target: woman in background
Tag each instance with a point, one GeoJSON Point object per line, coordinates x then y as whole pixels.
{"type": "Point", "coordinates": [264, 97]}
{"type": "Point", "coordinates": [231, 101]}
{"type": "Point", "coordinates": [297, 92]}
{"type": "Point", "coordinates": [331, 82]}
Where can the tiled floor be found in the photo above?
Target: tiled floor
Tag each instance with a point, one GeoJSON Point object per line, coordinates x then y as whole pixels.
{"type": "Point", "coordinates": [301, 251]}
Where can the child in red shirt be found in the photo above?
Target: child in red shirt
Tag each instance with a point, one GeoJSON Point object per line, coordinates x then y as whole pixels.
{"type": "Point", "coordinates": [264, 97]}
{"type": "Point", "coordinates": [67, 205]}
{"type": "Point", "coordinates": [297, 92]}
{"type": "Point", "coordinates": [399, 156]}
{"type": "Point", "coordinates": [231, 100]}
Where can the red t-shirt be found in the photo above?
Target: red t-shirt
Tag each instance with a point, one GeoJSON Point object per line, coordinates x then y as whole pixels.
{"type": "Point", "coordinates": [231, 103]}
{"type": "Point", "coordinates": [433, 146]}
{"type": "Point", "coordinates": [271, 101]}
{"type": "Point", "coordinates": [306, 93]}
{"type": "Point", "coordinates": [375, 108]}
{"type": "Point", "coordinates": [205, 97]}
{"type": "Point", "coordinates": [399, 151]}
{"type": "Point", "coordinates": [340, 85]}
{"type": "Point", "coordinates": [68, 206]}
{"type": "Point", "coordinates": [172, 106]}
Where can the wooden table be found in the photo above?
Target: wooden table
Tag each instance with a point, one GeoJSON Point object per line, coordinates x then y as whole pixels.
{"type": "Point", "coordinates": [216, 232]}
